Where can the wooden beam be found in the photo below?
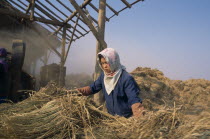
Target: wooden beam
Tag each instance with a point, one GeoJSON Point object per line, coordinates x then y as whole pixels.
{"type": "Point", "coordinates": [90, 17]}
{"type": "Point", "coordinates": [71, 39]}
{"type": "Point", "coordinates": [43, 11]}
{"type": "Point", "coordinates": [126, 7]}
{"type": "Point", "coordinates": [112, 9]}
{"type": "Point", "coordinates": [54, 18]}
{"type": "Point", "coordinates": [126, 3]}
{"type": "Point", "coordinates": [136, 2]}
{"type": "Point", "coordinates": [49, 15]}
{"type": "Point", "coordinates": [22, 15]}
{"type": "Point", "coordinates": [62, 74]}
{"type": "Point", "coordinates": [28, 8]}
{"type": "Point", "coordinates": [66, 17]}
{"type": "Point", "coordinates": [57, 23]}
{"type": "Point", "coordinates": [53, 5]}
{"type": "Point", "coordinates": [51, 27]}
{"type": "Point", "coordinates": [88, 22]}
{"type": "Point", "coordinates": [84, 4]}
{"type": "Point", "coordinates": [72, 12]}
{"type": "Point", "coordinates": [91, 5]}
{"type": "Point", "coordinates": [32, 10]}
{"type": "Point", "coordinates": [43, 17]}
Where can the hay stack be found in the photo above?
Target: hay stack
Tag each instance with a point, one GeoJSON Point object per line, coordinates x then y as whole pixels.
{"type": "Point", "coordinates": [155, 87]}
{"type": "Point", "coordinates": [53, 113]}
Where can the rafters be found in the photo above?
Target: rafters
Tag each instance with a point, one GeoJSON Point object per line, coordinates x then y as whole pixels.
{"type": "Point", "coordinates": [21, 15]}
{"type": "Point", "coordinates": [49, 13]}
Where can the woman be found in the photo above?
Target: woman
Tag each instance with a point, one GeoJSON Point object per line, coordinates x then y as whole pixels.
{"type": "Point", "coordinates": [118, 86]}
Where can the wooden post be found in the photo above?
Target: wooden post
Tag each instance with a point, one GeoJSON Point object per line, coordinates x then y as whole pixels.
{"type": "Point", "coordinates": [34, 68]}
{"type": "Point", "coordinates": [45, 58]}
{"type": "Point", "coordinates": [99, 98]}
{"type": "Point", "coordinates": [72, 36]}
{"type": "Point", "coordinates": [32, 10]}
{"type": "Point", "coordinates": [62, 74]}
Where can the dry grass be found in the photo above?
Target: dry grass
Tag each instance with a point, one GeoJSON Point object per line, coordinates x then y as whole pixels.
{"type": "Point", "coordinates": [54, 113]}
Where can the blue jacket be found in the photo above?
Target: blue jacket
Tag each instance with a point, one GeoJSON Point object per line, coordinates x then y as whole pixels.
{"type": "Point", "coordinates": [124, 95]}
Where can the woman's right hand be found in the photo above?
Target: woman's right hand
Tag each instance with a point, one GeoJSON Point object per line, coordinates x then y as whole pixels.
{"type": "Point", "coordinates": [85, 91]}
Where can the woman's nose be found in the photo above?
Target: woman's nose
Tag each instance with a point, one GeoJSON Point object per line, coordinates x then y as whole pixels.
{"type": "Point", "coordinates": [105, 65]}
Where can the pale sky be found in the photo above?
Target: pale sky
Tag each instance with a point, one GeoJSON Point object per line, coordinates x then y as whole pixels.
{"type": "Point", "coordinates": [170, 35]}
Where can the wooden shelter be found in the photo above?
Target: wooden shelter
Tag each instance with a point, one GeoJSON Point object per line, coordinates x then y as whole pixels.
{"type": "Point", "coordinates": [71, 20]}
{"type": "Point", "coordinates": [32, 33]}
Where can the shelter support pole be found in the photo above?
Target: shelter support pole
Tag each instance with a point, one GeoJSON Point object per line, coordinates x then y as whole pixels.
{"type": "Point", "coordinates": [46, 57]}
{"type": "Point", "coordinates": [99, 34]}
{"type": "Point", "coordinates": [34, 68]}
{"type": "Point", "coordinates": [72, 36]}
{"type": "Point", "coordinates": [99, 98]}
{"type": "Point", "coordinates": [32, 10]}
{"type": "Point", "coordinates": [62, 70]}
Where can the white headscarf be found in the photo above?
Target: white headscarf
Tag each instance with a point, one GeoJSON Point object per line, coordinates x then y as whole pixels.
{"type": "Point", "coordinates": [113, 59]}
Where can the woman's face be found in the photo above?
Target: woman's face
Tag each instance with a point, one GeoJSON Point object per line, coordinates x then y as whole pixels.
{"type": "Point", "coordinates": [105, 65]}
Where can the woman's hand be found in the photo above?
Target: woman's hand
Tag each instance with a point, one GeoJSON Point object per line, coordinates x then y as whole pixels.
{"type": "Point", "coordinates": [85, 91]}
{"type": "Point", "coordinates": [138, 110]}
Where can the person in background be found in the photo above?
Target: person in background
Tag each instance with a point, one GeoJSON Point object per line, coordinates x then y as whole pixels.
{"type": "Point", "coordinates": [3, 74]}
{"type": "Point", "coordinates": [118, 86]}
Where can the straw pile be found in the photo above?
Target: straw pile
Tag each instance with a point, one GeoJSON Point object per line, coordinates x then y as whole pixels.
{"type": "Point", "coordinates": [54, 113]}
